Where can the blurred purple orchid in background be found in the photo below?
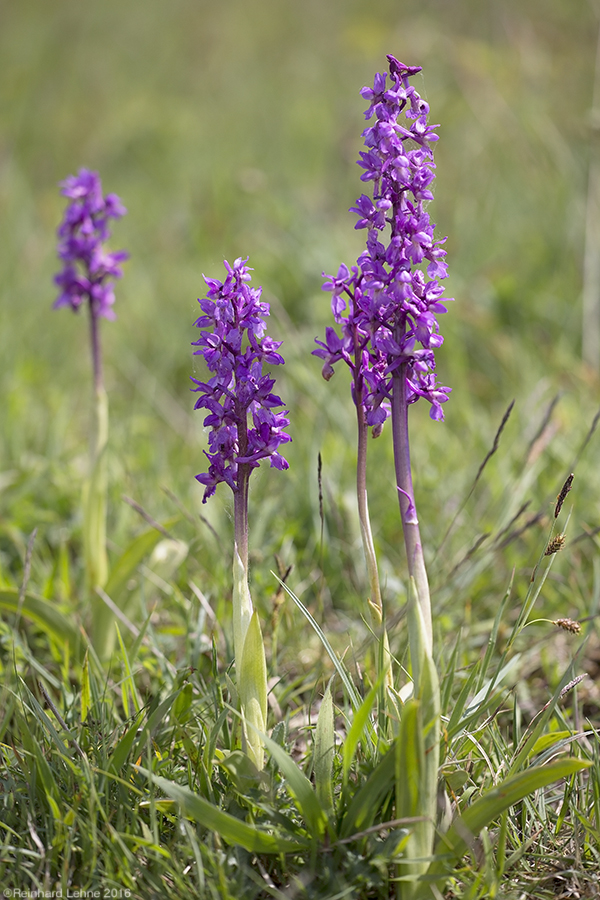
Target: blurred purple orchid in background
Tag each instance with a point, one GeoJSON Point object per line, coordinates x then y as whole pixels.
{"type": "Point", "coordinates": [88, 266]}
{"type": "Point", "coordinates": [87, 275]}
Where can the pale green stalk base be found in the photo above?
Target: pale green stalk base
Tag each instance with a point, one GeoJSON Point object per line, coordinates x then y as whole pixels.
{"type": "Point", "coordinates": [418, 755]}
{"type": "Point", "coordinates": [242, 607]}
{"type": "Point", "coordinates": [420, 727]}
{"type": "Point", "coordinates": [375, 602]}
{"type": "Point", "coordinates": [252, 689]}
{"type": "Point", "coordinates": [250, 664]}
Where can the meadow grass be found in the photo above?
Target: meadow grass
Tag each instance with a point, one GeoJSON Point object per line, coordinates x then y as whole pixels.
{"type": "Point", "coordinates": [228, 130]}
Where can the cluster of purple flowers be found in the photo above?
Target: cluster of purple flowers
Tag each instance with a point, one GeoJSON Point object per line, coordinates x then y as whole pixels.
{"type": "Point", "coordinates": [88, 266]}
{"type": "Point", "coordinates": [235, 347]}
{"type": "Point", "coordinates": [386, 305]}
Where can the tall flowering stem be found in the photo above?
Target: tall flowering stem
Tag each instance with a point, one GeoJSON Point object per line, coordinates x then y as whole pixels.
{"type": "Point", "coordinates": [351, 348]}
{"type": "Point", "coordinates": [386, 307]}
{"type": "Point", "coordinates": [86, 279]}
{"type": "Point", "coordinates": [247, 425]}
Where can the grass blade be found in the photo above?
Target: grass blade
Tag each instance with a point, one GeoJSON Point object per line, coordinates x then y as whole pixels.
{"type": "Point", "coordinates": [353, 694]}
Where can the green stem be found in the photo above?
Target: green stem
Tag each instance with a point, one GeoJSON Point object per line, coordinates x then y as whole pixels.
{"type": "Point", "coordinates": [375, 601]}
{"type": "Point", "coordinates": [96, 350]}
{"type": "Point", "coordinates": [95, 497]}
{"type": "Point", "coordinates": [94, 503]}
{"type": "Point", "coordinates": [363, 514]}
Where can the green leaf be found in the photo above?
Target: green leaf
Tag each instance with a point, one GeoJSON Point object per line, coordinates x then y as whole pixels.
{"type": "Point", "coordinates": [481, 701]}
{"type": "Point", "coordinates": [324, 751]}
{"type": "Point", "coordinates": [360, 722]}
{"type": "Point", "coordinates": [126, 565]}
{"type": "Point", "coordinates": [232, 830]}
{"type": "Point", "coordinates": [548, 740]}
{"type": "Point", "coordinates": [86, 696]}
{"type": "Point", "coordinates": [244, 774]}
{"type": "Point", "coordinates": [51, 792]}
{"type": "Point", "coordinates": [465, 829]}
{"type": "Point", "coordinates": [454, 723]}
{"type": "Point", "coordinates": [43, 612]}
{"type": "Point", "coordinates": [124, 746]}
{"type": "Point", "coordinates": [44, 720]}
{"type": "Point", "coordinates": [418, 639]}
{"type": "Point", "coordinates": [301, 788]}
{"type": "Point", "coordinates": [410, 754]}
{"type": "Point", "coordinates": [417, 760]}
{"type": "Point", "coordinates": [528, 743]}
{"type": "Point", "coordinates": [370, 797]}
{"type": "Point", "coordinates": [183, 704]}
{"type": "Point", "coordinates": [448, 678]}
{"type": "Point", "coordinates": [155, 719]}
{"type": "Point", "coordinates": [128, 682]}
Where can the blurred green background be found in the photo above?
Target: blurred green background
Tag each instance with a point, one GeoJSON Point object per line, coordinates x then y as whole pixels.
{"type": "Point", "coordinates": [232, 129]}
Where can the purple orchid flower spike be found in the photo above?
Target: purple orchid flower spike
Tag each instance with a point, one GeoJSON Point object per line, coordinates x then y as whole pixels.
{"type": "Point", "coordinates": [244, 415]}
{"type": "Point", "coordinates": [386, 310]}
{"type": "Point", "coordinates": [88, 267]}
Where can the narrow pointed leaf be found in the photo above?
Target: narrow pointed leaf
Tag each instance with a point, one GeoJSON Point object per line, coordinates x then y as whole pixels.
{"type": "Point", "coordinates": [359, 726]}
{"type": "Point", "coordinates": [86, 696]}
{"type": "Point", "coordinates": [252, 687]}
{"type": "Point", "coordinates": [232, 830]}
{"type": "Point", "coordinates": [127, 563]}
{"type": "Point", "coordinates": [410, 755]}
{"type": "Point", "coordinates": [43, 612]}
{"type": "Point", "coordinates": [301, 788]}
{"type": "Point", "coordinates": [124, 746]}
{"type": "Point", "coordinates": [540, 722]}
{"type": "Point", "coordinates": [324, 751]}
{"type": "Point", "coordinates": [369, 798]}
{"type": "Point", "coordinates": [465, 829]}
{"type": "Point", "coordinates": [155, 719]}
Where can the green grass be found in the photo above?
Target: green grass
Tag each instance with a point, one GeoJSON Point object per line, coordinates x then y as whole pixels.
{"type": "Point", "coordinates": [231, 129]}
